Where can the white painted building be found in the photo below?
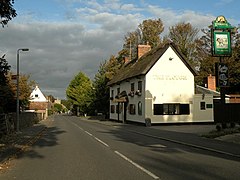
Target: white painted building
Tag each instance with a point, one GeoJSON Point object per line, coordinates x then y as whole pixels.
{"type": "Point", "coordinates": [159, 87]}
{"type": "Point", "coordinates": [37, 95]}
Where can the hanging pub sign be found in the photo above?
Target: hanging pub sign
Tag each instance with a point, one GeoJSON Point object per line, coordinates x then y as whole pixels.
{"type": "Point", "coordinates": [222, 75]}
{"type": "Point", "coordinates": [221, 37]}
{"type": "Point", "coordinates": [222, 44]}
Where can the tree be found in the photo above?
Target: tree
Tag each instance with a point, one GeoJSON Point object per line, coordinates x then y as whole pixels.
{"type": "Point", "coordinates": [25, 88]}
{"type": "Point", "coordinates": [148, 31]}
{"type": "Point", "coordinates": [7, 12]}
{"type": "Point", "coordinates": [6, 94]}
{"type": "Point", "coordinates": [58, 108]}
{"type": "Point", "coordinates": [106, 72]}
{"type": "Point", "coordinates": [151, 30]}
{"type": "Point", "coordinates": [185, 36]}
{"type": "Point", "coordinates": [80, 92]}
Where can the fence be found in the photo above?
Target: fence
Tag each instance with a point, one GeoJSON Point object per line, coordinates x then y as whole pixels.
{"type": "Point", "coordinates": [227, 113]}
{"type": "Point", "coordinates": [8, 122]}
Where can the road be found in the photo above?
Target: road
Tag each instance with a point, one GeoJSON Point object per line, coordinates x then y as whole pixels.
{"type": "Point", "coordinates": [73, 148]}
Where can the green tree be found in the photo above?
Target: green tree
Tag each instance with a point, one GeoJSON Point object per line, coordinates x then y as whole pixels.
{"type": "Point", "coordinates": [148, 31]}
{"type": "Point", "coordinates": [6, 94]}
{"type": "Point", "coordinates": [184, 35]}
{"type": "Point", "coordinates": [106, 71]}
{"type": "Point", "coordinates": [58, 108]}
{"type": "Point", "coordinates": [151, 31]}
{"type": "Point", "coordinates": [7, 12]}
{"type": "Point", "coordinates": [80, 92]}
{"type": "Point", "coordinates": [67, 104]}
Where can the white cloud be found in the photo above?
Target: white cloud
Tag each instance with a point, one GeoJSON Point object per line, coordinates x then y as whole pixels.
{"type": "Point", "coordinates": [172, 17]}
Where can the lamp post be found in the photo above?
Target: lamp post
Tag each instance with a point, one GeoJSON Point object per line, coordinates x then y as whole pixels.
{"type": "Point", "coordinates": [23, 49]}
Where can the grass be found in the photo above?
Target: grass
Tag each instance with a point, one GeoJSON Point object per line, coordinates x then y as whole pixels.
{"type": "Point", "coordinates": [223, 132]}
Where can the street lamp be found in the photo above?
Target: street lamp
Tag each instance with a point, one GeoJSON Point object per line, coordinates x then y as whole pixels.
{"type": "Point", "coordinates": [23, 49]}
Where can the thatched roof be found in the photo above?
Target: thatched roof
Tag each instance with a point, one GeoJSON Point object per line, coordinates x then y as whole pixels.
{"type": "Point", "coordinates": [141, 67]}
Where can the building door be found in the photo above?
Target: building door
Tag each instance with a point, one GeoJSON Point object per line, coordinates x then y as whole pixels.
{"type": "Point", "coordinates": [125, 104]}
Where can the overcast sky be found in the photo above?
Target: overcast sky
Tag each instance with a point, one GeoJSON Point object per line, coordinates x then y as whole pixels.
{"type": "Point", "coordinates": [69, 36]}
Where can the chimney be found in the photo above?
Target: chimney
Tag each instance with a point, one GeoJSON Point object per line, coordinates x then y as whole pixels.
{"type": "Point", "coordinates": [126, 59]}
{"type": "Point", "coordinates": [211, 82]}
{"type": "Point", "coordinates": [142, 49]}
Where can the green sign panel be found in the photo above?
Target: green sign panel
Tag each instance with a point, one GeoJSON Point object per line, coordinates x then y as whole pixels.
{"type": "Point", "coordinates": [222, 44]}
{"type": "Point", "coordinates": [221, 37]}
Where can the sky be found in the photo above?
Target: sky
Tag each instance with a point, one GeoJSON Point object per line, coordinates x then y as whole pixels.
{"type": "Point", "coordinates": [65, 37]}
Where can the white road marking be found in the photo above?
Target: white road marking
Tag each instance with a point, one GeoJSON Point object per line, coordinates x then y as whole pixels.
{"type": "Point", "coordinates": [88, 133]}
{"type": "Point", "coordinates": [137, 165]}
{"type": "Point", "coordinates": [77, 126]}
{"type": "Point", "coordinates": [99, 140]}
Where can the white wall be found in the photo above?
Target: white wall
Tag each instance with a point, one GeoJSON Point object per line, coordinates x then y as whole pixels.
{"type": "Point", "coordinates": [37, 96]}
{"type": "Point", "coordinates": [126, 86]}
{"type": "Point", "coordinates": [204, 115]}
{"type": "Point", "coordinates": [169, 81]}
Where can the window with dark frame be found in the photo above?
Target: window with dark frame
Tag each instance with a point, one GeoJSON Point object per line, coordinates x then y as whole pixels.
{"type": "Point", "coordinates": [132, 109]}
{"type": "Point", "coordinates": [132, 87]}
{"type": "Point", "coordinates": [112, 109]}
{"type": "Point", "coordinates": [112, 93]}
{"type": "Point", "coordinates": [203, 105]}
{"type": "Point", "coordinates": [171, 109]}
{"type": "Point", "coordinates": [118, 91]}
{"type": "Point", "coordinates": [139, 108]}
{"type": "Point", "coordinates": [140, 86]}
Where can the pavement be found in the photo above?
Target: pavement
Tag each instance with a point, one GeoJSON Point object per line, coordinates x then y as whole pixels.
{"type": "Point", "coordinates": [11, 146]}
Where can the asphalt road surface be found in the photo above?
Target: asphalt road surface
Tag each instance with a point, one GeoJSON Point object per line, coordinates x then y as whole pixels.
{"type": "Point", "coordinates": [73, 148]}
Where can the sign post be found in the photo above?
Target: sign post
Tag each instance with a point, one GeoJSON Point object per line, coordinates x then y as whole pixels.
{"type": "Point", "coordinates": [221, 47]}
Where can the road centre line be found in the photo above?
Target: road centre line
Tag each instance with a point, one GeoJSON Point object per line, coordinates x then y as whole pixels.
{"type": "Point", "coordinates": [77, 126]}
{"type": "Point", "coordinates": [88, 133]}
{"type": "Point", "coordinates": [99, 140]}
{"type": "Point", "coordinates": [137, 165]}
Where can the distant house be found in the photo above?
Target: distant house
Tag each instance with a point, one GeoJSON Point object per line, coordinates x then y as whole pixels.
{"type": "Point", "coordinates": [38, 102]}
{"type": "Point", "coordinates": [158, 87]}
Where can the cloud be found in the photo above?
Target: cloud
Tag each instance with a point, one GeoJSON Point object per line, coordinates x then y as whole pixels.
{"type": "Point", "coordinates": [58, 51]}
{"type": "Point", "coordinates": [171, 17]}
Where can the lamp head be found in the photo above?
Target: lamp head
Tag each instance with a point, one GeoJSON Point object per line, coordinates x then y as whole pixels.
{"type": "Point", "coordinates": [25, 49]}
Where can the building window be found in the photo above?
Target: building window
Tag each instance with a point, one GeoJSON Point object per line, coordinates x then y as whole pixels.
{"type": "Point", "coordinates": [119, 108]}
{"type": "Point", "coordinates": [118, 91]}
{"type": "Point", "coordinates": [132, 109]}
{"type": "Point", "coordinates": [132, 87]}
{"type": "Point", "coordinates": [139, 108]}
{"type": "Point", "coordinates": [112, 109]}
{"type": "Point", "coordinates": [140, 86]}
{"type": "Point", "coordinates": [158, 109]}
{"type": "Point", "coordinates": [184, 109]}
{"type": "Point", "coordinates": [112, 94]}
{"type": "Point", "coordinates": [171, 109]}
{"type": "Point", "coordinates": [209, 106]}
{"type": "Point", "coordinates": [202, 105]}
{"type": "Point", "coordinates": [36, 95]}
